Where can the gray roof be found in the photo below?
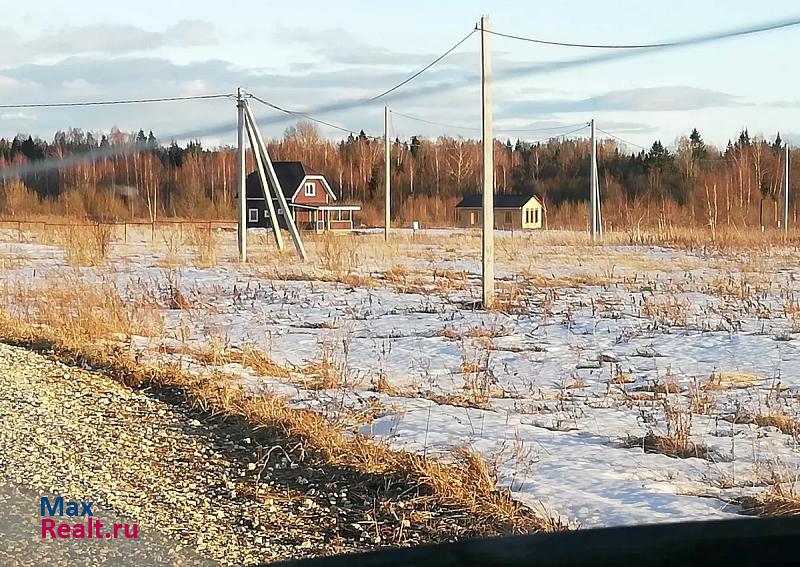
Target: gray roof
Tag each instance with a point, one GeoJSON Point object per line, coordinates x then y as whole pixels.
{"type": "Point", "coordinates": [289, 173]}
{"type": "Point", "coordinates": [500, 201]}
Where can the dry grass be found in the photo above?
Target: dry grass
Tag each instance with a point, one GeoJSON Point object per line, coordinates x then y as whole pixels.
{"type": "Point", "coordinates": [702, 398]}
{"type": "Point", "coordinates": [677, 441]}
{"type": "Point", "coordinates": [621, 378]}
{"type": "Point", "coordinates": [466, 485]}
{"type": "Point", "coordinates": [787, 424]}
{"type": "Point", "coordinates": [738, 379]}
{"type": "Point", "coordinates": [450, 332]}
{"type": "Point", "coordinates": [338, 252]}
{"type": "Point", "coordinates": [175, 298]}
{"type": "Point", "coordinates": [83, 310]}
{"type": "Point", "coordinates": [461, 400]}
{"type": "Point", "coordinates": [11, 261]}
{"type": "Point", "coordinates": [770, 505]}
{"type": "Point", "coordinates": [84, 244]}
{"type": "Point", "coordinates": [172, 239]}
{"type": "Point", "coordinates": [781, 499]}
{"type": "Point", "coordinates": [204, 244]}
{"type": "Point", "coordinates": [382, 385]}
{"type": "Point", "coordinates": [216, 353]}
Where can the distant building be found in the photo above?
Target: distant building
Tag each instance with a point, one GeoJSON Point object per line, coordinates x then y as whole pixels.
{"type": "Point", "coordinates": [309, 196]}
{"type": "Point", "coordinates": [511, 212]}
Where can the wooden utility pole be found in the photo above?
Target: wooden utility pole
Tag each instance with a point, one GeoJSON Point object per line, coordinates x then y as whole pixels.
{"type": "Point", "coordinates": [487, 229]}
{"type": "Point", "coordinates": [387, 158]}
{"type": "Point", "coordinates": [786, 189]}
{"type": "Point", "coordinates": [593, 186]}
{"type": "Point", "coordinates": [241, 213]}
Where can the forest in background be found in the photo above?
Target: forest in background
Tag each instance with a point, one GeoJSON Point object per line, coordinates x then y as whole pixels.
{"type": "Point", "coordinates": [693, 184]}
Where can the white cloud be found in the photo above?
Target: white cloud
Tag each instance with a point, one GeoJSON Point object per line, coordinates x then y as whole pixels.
{"type": "Point", "coordinates": [16, 116]}
{"type": "Point", "coordinates": [77, 88]}
{"type": "Point", "coordinates": [654, 99]}
{"type": "Point", "coordinates": [108, 39]}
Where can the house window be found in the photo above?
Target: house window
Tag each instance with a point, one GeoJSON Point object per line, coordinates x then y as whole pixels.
{"type": "Point", "coordinates": [280, 211]}
{"type": "Point", "coordinates": [310, 189]}
{"type": "Point", "coordinates": [252, 215]}
{"type": "Point", "coordinates": [508, 217]}
{"type": "Point", "coordinates": [535, 216]}
{"type": "Point", "coordinates": [472, 218]}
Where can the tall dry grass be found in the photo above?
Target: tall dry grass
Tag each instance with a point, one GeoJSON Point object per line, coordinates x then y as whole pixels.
{"type": "Point", "coordinates": [337, 252]}
{"type": "Point", "coordinates": [81, 310]}
{"type": "Point", "coordinates": [85, 244]}
{"type": "Point", "coordinates": [203, 242]}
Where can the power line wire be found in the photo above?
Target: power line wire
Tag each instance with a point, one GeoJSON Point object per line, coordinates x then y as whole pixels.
{"type": "Point", "coordinates": [425, 68]}
{"type": "Point", "coordinates": [624, 141]}
{"type": "Point", "coordinates": [304, 115]}
{"type": "Point", "coordinates": [113, 102]}
{"type": "Point", "coordinates": [476, 129]}
{"type": "Point", "coordinates": [433, 122]}
{"type": "Point", "coordinates": [584, 45]}
{"type": "Point", "coordinates": [532, 70]}
{"type": "Point", "coordinates": [564, 135]}
{"type": "Point", "coordinates": [581, 124]}
{"type": "Point", "coordinates": [520, 71]}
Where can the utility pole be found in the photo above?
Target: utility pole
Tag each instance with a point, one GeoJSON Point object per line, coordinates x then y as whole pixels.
{"type": "Point", "coordinates": [387, 158]}
{"type": "Point", "coordinates": [786, 189]}
{"type": "Point", "coordinates": [241, 213]}
{"type": "Point", "coordinates": [487, 228]}
{"type": "Point", "coordinates": [275, 184]}
{"type": "Point", "coordinates": [598, 203]}
{"type": "Point", "coordinates": [255, 146]}
{"type": "Point", "coordinates": [593, 186]}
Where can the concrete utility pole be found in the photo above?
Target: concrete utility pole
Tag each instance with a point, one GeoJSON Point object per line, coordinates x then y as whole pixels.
{"type": "Point", "coordinates": [255, 146]}
{"type": "Point", "coordinates": [241, 213]}
{"type": "Point", "coordinates": [786, 189]}
{"type": "Point", "coordinates": [487, 229]}
{"type": "Point", "coordinates": [593, 186]}
{"type": "Point", "coordinates": [387, 158]}
{"type": "Point", "coordinates": [275, 184]}
{"type": "Point", "coordinates": [598, 202]}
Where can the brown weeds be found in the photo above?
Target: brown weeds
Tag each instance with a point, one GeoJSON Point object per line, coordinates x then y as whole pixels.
{"type": "Point", "coordinates": [468, 486]}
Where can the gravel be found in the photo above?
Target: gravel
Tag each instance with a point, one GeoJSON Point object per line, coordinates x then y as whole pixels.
{"type": "Point", "coordinates": [190, 487]}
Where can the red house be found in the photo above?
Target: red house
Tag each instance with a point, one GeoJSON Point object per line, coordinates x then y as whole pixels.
{"type": "Point", "coordinates": [309, 196]}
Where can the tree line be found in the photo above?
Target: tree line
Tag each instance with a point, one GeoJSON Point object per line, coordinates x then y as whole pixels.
{"type": "Point", "coordinates": [694, 183]}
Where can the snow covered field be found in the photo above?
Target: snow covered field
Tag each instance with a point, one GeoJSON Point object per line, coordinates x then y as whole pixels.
{"type": "Point", "coordinates": [612, 385]}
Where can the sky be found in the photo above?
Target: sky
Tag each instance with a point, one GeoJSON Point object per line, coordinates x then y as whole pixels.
{"type": "Point", "coordinates": [314, 56]}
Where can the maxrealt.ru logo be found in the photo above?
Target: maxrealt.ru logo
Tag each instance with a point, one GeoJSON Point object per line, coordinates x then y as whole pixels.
{"type": "Point", "coordinates": [87, 526]}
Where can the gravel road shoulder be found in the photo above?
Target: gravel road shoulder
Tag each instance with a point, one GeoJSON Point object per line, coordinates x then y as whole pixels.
{"type": "Point", "coordinates": [197, 493]}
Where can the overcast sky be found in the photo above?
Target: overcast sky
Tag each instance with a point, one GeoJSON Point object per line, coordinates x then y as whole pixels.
{"type": "Point", "coordinates": [308, 55]}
